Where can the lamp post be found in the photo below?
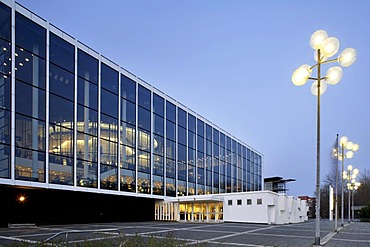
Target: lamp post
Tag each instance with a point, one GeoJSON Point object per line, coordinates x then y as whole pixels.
{"type": "Point", "coordinates": [325, 47]}
{"type": "Point", "coordinates": [347, 151]}
{"type": "Point", "coordinates": [354, 187]}
{"type": "Point", "coordinates": [350, 175]}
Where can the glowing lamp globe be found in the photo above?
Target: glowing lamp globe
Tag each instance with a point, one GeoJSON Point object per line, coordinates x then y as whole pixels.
{"type": "Point", "coordinates": [347, 57]}
{"type": "Point", "coordinates": [334, 75]}
{"type": "Point", "coordinates": [355, 147]}
{"type": "Point", "coordinates": [301, 75]}
{"type": "Point", "coordinates": [314, 88]}
{"type": "Point", "coordinates": [355, 171]}
{"type": "Point", "coordinates": [349, 155]}
{"type": "Point", "coordinates": [330, 46]}
{"type": "Point", "coordinates": [349, 167]}
{"type": "Point", "coordinates": [343, 140]}
{"type": "Point", "coordinates": [349, 145]}
{"type": "Point", "coordinates": [317, 39]}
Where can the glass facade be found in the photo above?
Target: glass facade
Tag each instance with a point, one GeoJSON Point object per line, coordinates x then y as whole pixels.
{"type": "Point", "coordinates": [81, 121]}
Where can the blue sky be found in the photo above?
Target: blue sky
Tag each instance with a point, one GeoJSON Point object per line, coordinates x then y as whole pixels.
{"type": "Point", "coordinates": [232, 61]}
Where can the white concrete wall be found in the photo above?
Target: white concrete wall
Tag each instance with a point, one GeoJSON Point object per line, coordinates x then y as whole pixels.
{"type": "Point", "coordinates": [275, 208]}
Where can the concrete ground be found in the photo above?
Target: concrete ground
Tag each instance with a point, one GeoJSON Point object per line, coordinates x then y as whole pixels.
{"type": "Point", "coordinates": [211, 234]}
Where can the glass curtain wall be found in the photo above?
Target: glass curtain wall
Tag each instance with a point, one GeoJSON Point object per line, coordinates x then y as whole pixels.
{"type": "Point", "coordinates": [5, 92]}
{"type": "Point", "coordinates": [87, 120]}
{"type": "Point", "coordinates": [216, 162]}
{"type": "Point", "coordinates": [170, 149]}
{"type": "Point", "coordinates": [158, 145]}
{"type": "Point", "coordinates": [30, 55]}
{"type": "Point", "coordinates": [191, 154]}
{"type": "Point", "coordinates": [164, 150]}
{"type": "Point", "coordinates": [200, 158]}
{"type": "Point", "coordinates": [109, 128]}
{"type": "Point", "coordinates": [181, 152]}
{"type": "Point", "coordinates": [61, 110]}
{"type": "Point", "coordinates": [208, 159]}
{"type": "Point", "coordinates": [144, 141]}
{"type": "Point", "coordinates": [128, 134]}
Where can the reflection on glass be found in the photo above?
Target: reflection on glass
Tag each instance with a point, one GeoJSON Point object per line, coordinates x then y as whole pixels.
{"type": "Point", "coordinates": [4, 161]}
{"type": "Point", "coordinates": [128, 180]}
{"type": "Point", "coordinates": [60, 170]}
{"type": "Point", "coordinates": [108, 177]}
{"type": "Point", "coordinates": [143, 183]}
{"type": "Point", "coordinates": [170, 187]}
{"type": "Point", "coordinates": [87, 174]}
{"type": "Point", "coordinates": [29, 165]}
{"type": "Point", "coordinates": [158, 186]}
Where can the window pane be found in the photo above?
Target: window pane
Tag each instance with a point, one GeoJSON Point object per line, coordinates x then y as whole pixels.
{"type": "Point", "coordinates": [60, 170]}
{"type": "Point", "coordinates": [128, 89]}
{"type": "Point", "coordinates": [170, 149]}
{"type": "Point", "coordinates": [181, 117]}
{"type": "Point", "coordinates": [158, 125]}
{"type": "Point", "coordinates": [62, 53]}
{"type": "Point", "coordinates": [109, 78]}
{"type": "Point", "coordinates": [108, 152]}
{"type": "Point", "coordinates": [128, 135]}
{"type": "Point", "coordinates": [30, 69]}
{"type": "Point", "coordinates": [191, 123]}
{"type": "Point", "coordinates": [144, 140]}
{"type": "Point", "coordinates": [61, 82]}
{"type": "Point", "coordinates": [30, 133]}
{"type": "Point", "coordinates": [29, 35]}
{"type": "Point", "coordinates": [109, 103]}
{"type": "Point", "coordinates": [144, 97]}
{"type": "Point", "coordinates": [181, 135]}
{"type": "Point", "coordinates": [87, 174]}
{"type": "Point", "coordinates": [170, 168]}
{"type": "Point", "coordinates": [200, 128]}
{"type": "Point", "coordinates": [144, 119]}
{"type": "Point", "coordinates": [158, 186]}
{"type": "Point", "coordinates": [108, 177]}
{"type": "Point", "coordinates": [61, 140]}
{"type": "Point", "coordinates": [4, 161]}
{"type": "Point", "coordinates": [87, 120]}
{"type": "Point", "coordinates": [143, 161]}
{"type": "Point", "coordinates": [128, 180]}
{"type": "Point", "coordinates": [170, 130]}
{"type": "Point", "coordinates": [87, 67]}
{"type": "Point", "coordinates": [87, 94]}
{"type": "Point", "coordinates": [128, 157]}
{"type": "Point", "coordinates": [61, 110]}
{"type": "Point", "coordinates": [109, 128]}
{"type": "Point", "coordinates": [191, 139]}
{"type": "Point", "coordinates": [128, 112]}
{"type": "Point", "coordinates": [170, 187]}
{"type": "Point", "coordinates": [29, 165]}
{"type": "Point", "coordinates": [158, 145]}
{"type": "Point", "coordinates": [87, 147]}
{"type": "Point", "coordinates": [5, 22]}
{"type": "Point", "coordinates": [4, 128]}
{"type": "Point", "coordinates": [158, 105]}
{"type": "Point", "coordinates": [143, 183]}
{"type": "Point", "coordinates": [170, 111]}
{"type": "Point", "coordinates": [29, 100]}
{"type": "Point", "coordinates": [158, 165]}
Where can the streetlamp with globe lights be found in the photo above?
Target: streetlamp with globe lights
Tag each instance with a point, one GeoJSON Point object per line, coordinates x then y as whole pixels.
{"type": "Point", "coordinates": [350, 175]}
{"type": "Point", "coordinates": [347, 151]}
{"type": "Point", "coordinates": [325, 47]}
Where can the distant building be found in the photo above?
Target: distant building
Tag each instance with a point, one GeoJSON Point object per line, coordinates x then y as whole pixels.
{"type": "Point", "coordinates": [311, 204]}
{"type": "Point", "coordinates": [277, 184]}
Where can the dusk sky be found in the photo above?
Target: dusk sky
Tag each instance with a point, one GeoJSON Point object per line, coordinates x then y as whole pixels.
{"type": "Point", "coordinates": [232, 62]}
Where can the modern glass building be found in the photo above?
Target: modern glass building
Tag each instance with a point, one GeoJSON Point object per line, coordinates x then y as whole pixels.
{"type": "Point", "coordinates": [71, 120]}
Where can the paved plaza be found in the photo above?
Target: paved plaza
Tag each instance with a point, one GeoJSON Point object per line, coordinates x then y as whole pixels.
{"type": "Point", "coordinates": [209, 234]}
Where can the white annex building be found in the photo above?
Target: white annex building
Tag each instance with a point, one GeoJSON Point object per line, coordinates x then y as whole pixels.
{"type": "Point", "coordinates": [264, 207]}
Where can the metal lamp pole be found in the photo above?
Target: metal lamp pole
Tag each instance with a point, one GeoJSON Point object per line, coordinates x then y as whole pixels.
{"type": "Point", "coordinates": [325, 47]}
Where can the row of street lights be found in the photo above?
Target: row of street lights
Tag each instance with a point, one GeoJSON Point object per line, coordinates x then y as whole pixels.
{"type": "Point", "coordinates": [325, 47]}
